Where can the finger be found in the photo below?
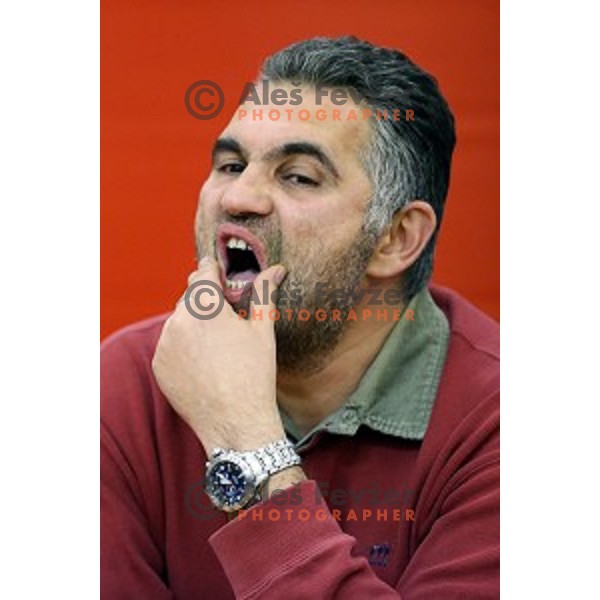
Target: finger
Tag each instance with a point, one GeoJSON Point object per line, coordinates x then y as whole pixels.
{"type": "Point", "coordinates": [193, 276]}
{"type": "Point", "coordinates": [207, 269]}
{"type": "Point", "coordinates": [270, 278]}
{"type": "Point", "coordinates": [204, 298]}
{"type": "Point", "coordinates": [197, 276]}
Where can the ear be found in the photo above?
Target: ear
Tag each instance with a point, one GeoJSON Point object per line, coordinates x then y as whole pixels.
{"type": "Point", "coordinates": [403, 241]}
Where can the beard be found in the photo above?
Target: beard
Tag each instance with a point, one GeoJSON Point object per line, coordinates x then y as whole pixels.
{"type": "Point", "coordinates": [304, 345]}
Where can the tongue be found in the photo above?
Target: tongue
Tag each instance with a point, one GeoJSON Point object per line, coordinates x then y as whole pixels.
{"type": "Point", "coordinates": [248, 275]}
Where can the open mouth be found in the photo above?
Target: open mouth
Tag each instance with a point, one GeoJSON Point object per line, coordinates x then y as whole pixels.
{"type": "Point", "coordinates": [242, 265]}
{"type": "Point", "coordinates": [242, 256]}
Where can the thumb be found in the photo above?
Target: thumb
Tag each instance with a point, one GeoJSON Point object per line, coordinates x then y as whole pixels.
{"type": "Point", "coordinates": [265, 286]}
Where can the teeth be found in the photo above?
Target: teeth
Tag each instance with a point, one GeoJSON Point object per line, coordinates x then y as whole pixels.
{"type": "Point", "coordinates": [237, 243]}
{"type": "Point", "coordinates": [235, 285]}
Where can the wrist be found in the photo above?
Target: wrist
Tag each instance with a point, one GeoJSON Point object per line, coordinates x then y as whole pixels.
{"type": "Point", "coordinates": [283, 480]}
{"type": "Point", "coordinates": [244, 441]}
{"type": "Point", "coordinates": [236, 479]}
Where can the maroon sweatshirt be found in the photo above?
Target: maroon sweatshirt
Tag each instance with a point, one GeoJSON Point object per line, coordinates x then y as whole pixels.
{"type": "Point", "coordinates": [380, 516]}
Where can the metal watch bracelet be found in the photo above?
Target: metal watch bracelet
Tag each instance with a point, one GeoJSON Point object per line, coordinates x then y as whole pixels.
{"type": "Point", "coordinates": [274, 457]}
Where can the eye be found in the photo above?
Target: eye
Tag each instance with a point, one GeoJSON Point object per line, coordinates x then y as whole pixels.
{"type": "Point", "coordinates": [301, 180]}
{"type": "Point", "coordinates": [231, 168]}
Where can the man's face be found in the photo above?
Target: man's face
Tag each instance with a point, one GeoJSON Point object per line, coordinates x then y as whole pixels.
{"type": "Point", "coordinates": [294, 192]}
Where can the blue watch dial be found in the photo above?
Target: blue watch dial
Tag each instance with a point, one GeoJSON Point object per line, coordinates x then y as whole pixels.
{"type": "Point", "coordinates": [228, 483]}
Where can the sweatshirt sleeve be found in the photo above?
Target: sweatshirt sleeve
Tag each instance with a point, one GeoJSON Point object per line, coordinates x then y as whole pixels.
{"type": "Point", "coordinates": [306, 551]}
{"type": "Point", "coordinates": [132, 563]}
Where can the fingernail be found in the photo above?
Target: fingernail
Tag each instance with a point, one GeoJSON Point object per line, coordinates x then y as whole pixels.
{"type": "Point", "coordinates": [279, 275]}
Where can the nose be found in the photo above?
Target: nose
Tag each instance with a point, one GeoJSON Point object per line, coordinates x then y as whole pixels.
{"type": "Point", "coordinates": [248, 194]}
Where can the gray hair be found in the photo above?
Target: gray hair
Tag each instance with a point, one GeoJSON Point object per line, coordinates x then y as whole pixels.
{"type": "Point", "coordinates": [405, 160]}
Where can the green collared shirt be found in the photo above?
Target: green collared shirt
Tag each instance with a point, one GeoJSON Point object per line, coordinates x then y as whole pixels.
{"type": "Point", "coordinates": [397, 392]}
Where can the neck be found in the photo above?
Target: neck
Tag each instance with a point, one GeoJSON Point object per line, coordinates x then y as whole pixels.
{"type": "Point", "coordinates": [308, 399]}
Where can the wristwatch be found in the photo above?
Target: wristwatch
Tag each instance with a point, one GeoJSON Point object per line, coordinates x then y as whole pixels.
{"type": "Point", "coordinates": [234, 480]}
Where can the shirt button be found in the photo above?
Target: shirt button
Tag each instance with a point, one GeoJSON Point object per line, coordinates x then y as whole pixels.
{"type": "Point", "coordinates": [349, 416]}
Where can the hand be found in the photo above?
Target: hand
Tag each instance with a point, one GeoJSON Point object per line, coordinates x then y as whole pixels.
{"type": "Point", "coordinates": [219, 374]}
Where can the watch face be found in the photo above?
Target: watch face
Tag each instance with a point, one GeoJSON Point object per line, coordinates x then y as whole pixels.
{"type": "Point", "coordinates": [227, 484]}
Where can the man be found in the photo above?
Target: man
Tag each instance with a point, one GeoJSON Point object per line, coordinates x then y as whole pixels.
{"type": "Point", "coordinates": [273, 450]}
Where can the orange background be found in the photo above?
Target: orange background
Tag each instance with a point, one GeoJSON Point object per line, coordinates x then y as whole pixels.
{"type": "Point", "coordinates": [155, 156]}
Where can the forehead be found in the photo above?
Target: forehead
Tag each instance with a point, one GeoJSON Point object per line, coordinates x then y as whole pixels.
{"type": "Point", "coordinates": [339, 129]}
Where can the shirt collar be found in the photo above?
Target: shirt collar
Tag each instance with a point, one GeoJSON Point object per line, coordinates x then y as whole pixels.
{"type": "Point", "coordinates": [397, 392]}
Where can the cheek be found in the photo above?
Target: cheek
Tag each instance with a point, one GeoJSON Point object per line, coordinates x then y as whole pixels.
{"type": "Point", "coordinates": [209, 192]}
{"type": "Point", "coordinates": [204, 195]}
{"type": "Point", "coordinates": [205, 213]}
{"type": "Point", "coordinates": [329, 230]}
{"type": "Point", "coordinates": [207, 203]}
{"type": "Point", "coordinates": [310, 246]}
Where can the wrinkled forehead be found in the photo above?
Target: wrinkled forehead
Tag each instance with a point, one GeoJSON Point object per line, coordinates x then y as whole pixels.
{"type": "Point", "coordinates": [287, 113]}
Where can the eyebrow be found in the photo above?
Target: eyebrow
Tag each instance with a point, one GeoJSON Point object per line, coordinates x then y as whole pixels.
{"type": "Point", "coordinates": [228, 144]}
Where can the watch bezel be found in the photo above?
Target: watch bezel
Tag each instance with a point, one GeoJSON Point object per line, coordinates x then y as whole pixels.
{"type": "Point", "coordinates": [250, 478]}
